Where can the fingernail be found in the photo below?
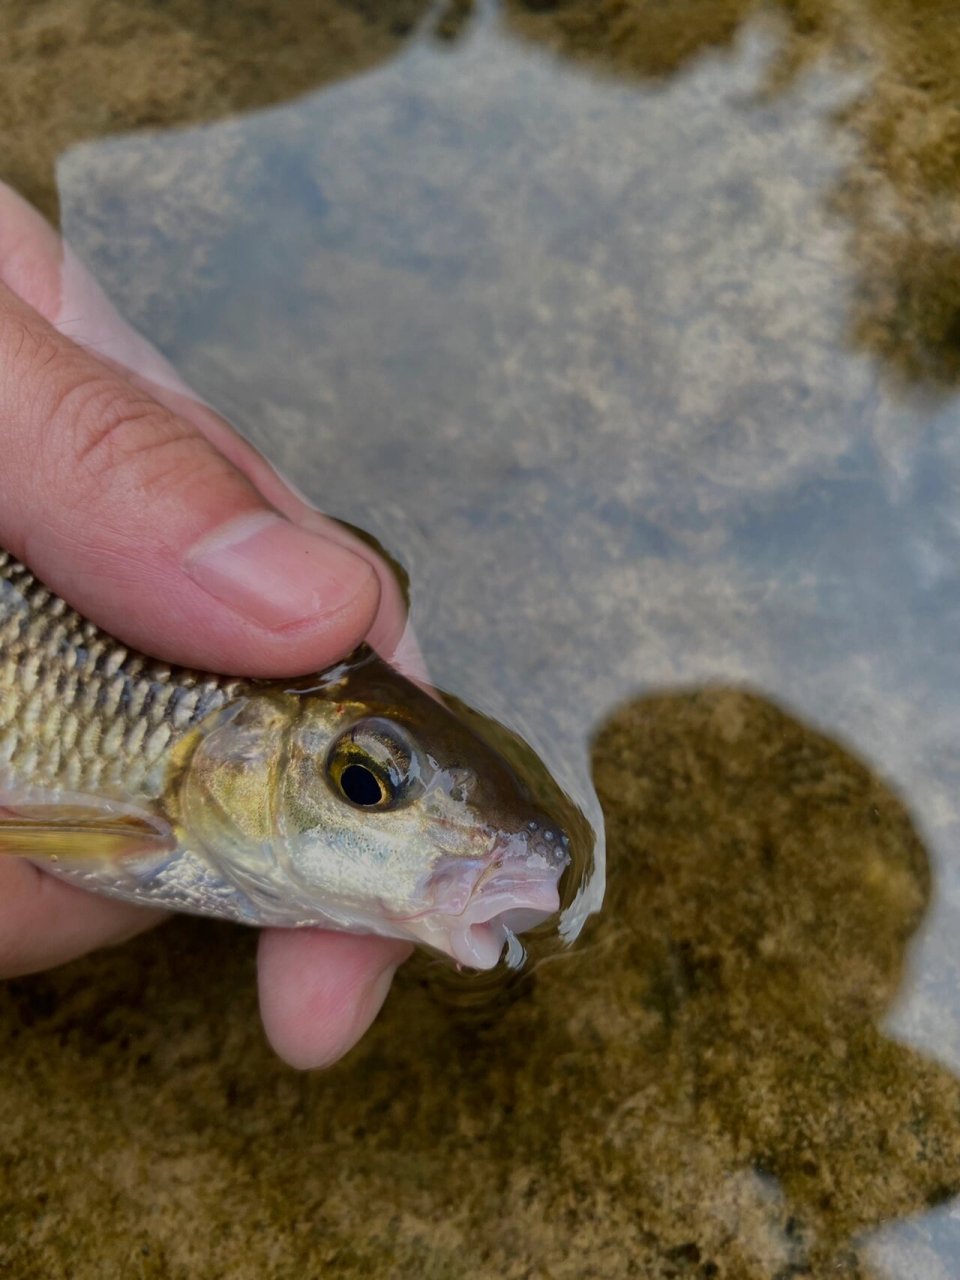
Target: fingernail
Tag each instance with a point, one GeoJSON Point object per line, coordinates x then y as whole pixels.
{"type": "Point", "coordinates": [275, 573]}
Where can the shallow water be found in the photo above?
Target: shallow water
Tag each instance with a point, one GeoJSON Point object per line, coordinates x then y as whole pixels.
{"type": "Point", "coordinates": [632, 331]}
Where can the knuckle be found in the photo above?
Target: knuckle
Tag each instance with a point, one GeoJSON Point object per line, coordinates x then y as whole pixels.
{"type": "Point", "coordinates": [27, 348]}
{"type": "Point", "coordinates": [106, 424]}
{"type": "Point", "coordinates": [114, 434]}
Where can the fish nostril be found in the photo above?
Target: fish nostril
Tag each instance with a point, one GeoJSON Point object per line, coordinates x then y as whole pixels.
{"type": "Point", "coordinates": [554, 848]}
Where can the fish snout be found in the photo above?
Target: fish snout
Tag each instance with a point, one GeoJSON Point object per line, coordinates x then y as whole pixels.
{"type": "Point", "coordinates": [476, 905]}
{"type": "Point", "coordinates": [549, 843]}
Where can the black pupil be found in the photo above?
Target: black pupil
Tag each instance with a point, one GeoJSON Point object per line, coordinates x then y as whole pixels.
{"type": "Point", "coordinates": [360, 786]}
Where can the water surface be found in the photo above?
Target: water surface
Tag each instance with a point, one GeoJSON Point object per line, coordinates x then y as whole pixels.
{"type": "Point", "coordinates": [632, 331]}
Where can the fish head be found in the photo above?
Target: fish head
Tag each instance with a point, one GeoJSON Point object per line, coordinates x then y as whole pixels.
{"type": "Point", "coordinates": [395, 813]}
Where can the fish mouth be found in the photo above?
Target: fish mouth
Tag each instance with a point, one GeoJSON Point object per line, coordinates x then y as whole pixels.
{"type": "Point", "coordinates": [474, 916]}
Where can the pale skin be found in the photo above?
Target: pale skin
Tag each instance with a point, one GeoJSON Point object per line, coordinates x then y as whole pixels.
{"type": "Point", "coordinates": [151, 516]}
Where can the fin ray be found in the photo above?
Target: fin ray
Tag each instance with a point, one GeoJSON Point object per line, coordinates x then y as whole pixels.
{"type": "Point", "coordinates": [81, 828]}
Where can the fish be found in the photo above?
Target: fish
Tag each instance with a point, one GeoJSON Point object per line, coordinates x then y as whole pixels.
{"type": "Point", "coordinates": [354, 799]}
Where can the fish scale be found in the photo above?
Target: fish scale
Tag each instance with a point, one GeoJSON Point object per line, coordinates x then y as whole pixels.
{"type": "Point", "coordinates": [79, 711]}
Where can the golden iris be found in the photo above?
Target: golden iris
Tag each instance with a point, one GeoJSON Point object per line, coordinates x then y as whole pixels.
{"type": "Point", "coordinates": [373, 766]}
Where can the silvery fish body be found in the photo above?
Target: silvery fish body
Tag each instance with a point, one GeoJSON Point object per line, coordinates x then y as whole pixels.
{"type": "Point", "coordinates": [352, 800]}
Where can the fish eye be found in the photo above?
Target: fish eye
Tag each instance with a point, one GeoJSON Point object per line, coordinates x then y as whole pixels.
{"type": "Point", "coordinates": [373, 765]}
{"type": "Point", "coordinates": [361, 786]}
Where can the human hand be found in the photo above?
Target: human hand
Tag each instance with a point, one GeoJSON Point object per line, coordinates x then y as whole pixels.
{"type": "Point", "coordinates": [148, 514]}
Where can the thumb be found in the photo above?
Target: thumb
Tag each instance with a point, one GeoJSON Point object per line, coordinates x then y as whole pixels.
{"type": "Point", "coordinates": [129, 512]}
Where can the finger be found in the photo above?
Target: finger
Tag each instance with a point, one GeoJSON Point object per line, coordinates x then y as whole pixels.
{"type": "Point", "coordinates": [320, 991]}
{"type": "Point", "coordinates": [50, 278]}
{"type": "Point", "coordinates": [46, 922]}
{"type": "Point", "coordinates": [389, 634]}
{"type": "Point", "coordinates": [133, 516]}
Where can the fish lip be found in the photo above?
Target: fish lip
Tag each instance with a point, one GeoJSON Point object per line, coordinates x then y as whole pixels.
{"type": "Point", "coordinates": [478, 905]}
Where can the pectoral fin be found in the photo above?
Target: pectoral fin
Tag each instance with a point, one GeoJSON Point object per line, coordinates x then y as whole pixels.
{"type": "Point", "coordinates": [79, 830]}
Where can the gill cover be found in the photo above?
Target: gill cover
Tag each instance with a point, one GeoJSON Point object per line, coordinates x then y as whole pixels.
{"type": "Point", "coordinates": [228, 795]}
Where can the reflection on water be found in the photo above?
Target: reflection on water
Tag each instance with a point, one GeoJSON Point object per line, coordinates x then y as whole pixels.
{"type": "Point", "coordinates": [606, 361]}
{"type": "Point", "coordinates": [899, 197]}
{"type": "Point", "coordinates": [88, 67]}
